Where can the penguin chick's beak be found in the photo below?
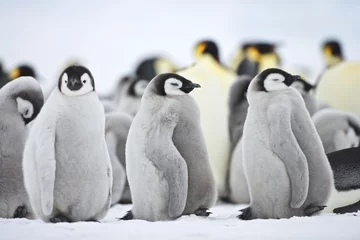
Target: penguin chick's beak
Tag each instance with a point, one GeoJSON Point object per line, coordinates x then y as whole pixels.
{"type": "Point", "coordinates": [74, 84]}
{"type": "Point", "coordinates": [189, 87]}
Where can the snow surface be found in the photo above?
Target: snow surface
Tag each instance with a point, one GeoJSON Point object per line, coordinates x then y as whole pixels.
{"type": "Point", "coordinates": [222, 224]}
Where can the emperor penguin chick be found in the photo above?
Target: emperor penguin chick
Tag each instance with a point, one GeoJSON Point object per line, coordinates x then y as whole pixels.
{"type": "Point", "coordinates": [166, 157]}
{"type": "Point", "coordinates": [337, 129]}
{"type": "Point", "coordinates": [285, 164]}
{"type": "Point", "coordinates": [20, 103]}
{"type": "Point", "coordinates": [116, 131]}
{"type": "Point", "coordinates": [67, 169]}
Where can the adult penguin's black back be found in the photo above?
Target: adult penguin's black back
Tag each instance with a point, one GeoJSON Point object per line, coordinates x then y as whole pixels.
{"type": "Point", "coordinates": [3, 76]}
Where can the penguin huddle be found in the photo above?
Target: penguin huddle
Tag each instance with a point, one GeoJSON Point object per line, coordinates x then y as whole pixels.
{"type": "Point", "coordinates": [173, 142]}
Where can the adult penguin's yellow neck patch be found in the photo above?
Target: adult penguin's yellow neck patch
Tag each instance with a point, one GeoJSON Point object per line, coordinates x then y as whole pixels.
{"type": "Point", "coordinates": [14, 74]}
{"type": "Point", "coordinates": [199, 50]}
{"type": "Point", "coordinates": [253, 53]}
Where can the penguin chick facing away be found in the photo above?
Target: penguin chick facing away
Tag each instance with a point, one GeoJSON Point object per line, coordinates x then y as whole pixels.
{"type": "Point", "coordinates": [166, 157]}
{"type": "Point", "coordinates": [116, 130]}
{"type": "Point", "coordinates": [345, 195]}
{"type": "Point", "coordinates": [337, 129]}
{"type": "Point", "coordinates": [67, 169]}
{"type": "Point", "coordinates": [285, 164]}
{"type": "Point", "coordinates": [20, 103]}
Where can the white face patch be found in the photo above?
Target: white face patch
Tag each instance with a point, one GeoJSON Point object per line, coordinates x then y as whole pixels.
{"type": "Point", "coordinates": [299, 86]}
{"type": "Point", "coordinates": [275, 82]}
{"type": "Point", "coordinates": [86, 85]}
{"type": "Point", "coordinates": [139, 87]}
{"type": "Point", "coordinates": [172, 87]}
{"type": "Point", "coordinates": [25, 108]}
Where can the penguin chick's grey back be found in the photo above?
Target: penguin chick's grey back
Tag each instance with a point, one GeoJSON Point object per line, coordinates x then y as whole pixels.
{"type": "Point", "coordinates": [20, 103]}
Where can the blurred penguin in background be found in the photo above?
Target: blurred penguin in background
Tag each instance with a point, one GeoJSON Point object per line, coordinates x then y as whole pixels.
{"type": "Point", "coordinates": [3, 76]}
{"type": "Point", "coordinates": [23, 70]}
{"type": "Point", "coordinates": [307, 92]}
{"type": "Point", "coordinates": [254, 57]}
{"type": "Point", "coordinates": [332, 52]}
{"type": "Point", "coordinates": [215, 80]}
{"type": "Point", "coordinates": [152, 66]}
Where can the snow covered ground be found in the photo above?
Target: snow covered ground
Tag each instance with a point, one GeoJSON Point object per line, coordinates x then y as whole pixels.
{"type": "Point", "coordinates": [222, 224]}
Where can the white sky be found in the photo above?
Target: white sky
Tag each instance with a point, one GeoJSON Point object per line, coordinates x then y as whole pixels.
{"type": "Point", "coordinates": [111, 36]}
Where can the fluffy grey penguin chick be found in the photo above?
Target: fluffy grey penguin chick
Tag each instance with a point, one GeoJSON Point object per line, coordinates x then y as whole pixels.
{"type": "Point", "coordinates": [166, 158]}
{"type": "Point", "coordinates": [337, 129]}
{"type": "Point", "coordinates": [66, 164]}
{"type": "Point", "coordinates": [116, 129]}
{"type": "Point", "coordinates": [20, 103]}
{"type": "Point", "coordinates": [285, 164]}
{"type": "Point", "coordinates": [308, 93]}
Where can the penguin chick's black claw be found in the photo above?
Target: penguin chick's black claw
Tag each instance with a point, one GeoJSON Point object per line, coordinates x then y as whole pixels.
{"type": "Point", "coordinates": [59, 219]}
{"type": "Point", "coordinates": [128, 216]}
{"type": "Point", "coordinates": [202, 212]}
{"type": "Point", "coordinates": [20, 212]}
{"type": "Point", "coordinates": [246, 214]}
{"type": "Point", "coordinates": [311, 210]}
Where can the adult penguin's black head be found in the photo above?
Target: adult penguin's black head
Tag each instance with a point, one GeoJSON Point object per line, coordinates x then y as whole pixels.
{"type": "Point", "coordinates": [332, 52]}
{"type": "Point", "coordinates": [207, 47]}
{"type": "Point", "coordinates": [22, 71]}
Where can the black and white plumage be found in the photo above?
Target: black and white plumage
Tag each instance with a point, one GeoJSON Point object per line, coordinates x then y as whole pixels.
{"type": "Point", "coordinates": [337, 129]}
{"type": "Point", "coordinates": [166, 158]}
{"type": "Point", "coordinates": [67, 169]}
{"type": "Point", "coordinates": [20, 103]}
{"type": "Point", "coordinates": [116, 130]}
{"type": "Point", "coordinates": [285, 164]}
{"type": "Point", "coordinates": [345, 196]}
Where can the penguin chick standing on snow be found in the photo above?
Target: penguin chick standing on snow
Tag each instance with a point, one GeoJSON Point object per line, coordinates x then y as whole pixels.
{"type": "Point", "coordinates": [20, 103]}
{"type": "Point", "coordinates": [337, 129]}
{"type": "Point", "coordinates": [285, 164]}
{"type": "Point", "coordinates": [116, 130]}
{"type": "Point", "coordinates": [215, 80]}
{"type": "Point", "coordinates": [67, 169]}
{"type": "Point", "coordinates": [166, 157]}
{"type": "Point", "coordinates": [345, 197]}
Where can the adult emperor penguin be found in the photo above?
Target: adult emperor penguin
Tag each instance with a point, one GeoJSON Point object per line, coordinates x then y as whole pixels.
{"type": "Point", "coordinates": [339, 87]}
{"type": "Point", "coordinates": [285, 164]}
{"type": "Point", "coordinates": [332, 52]}
{"type": "Point", "coordinates": [116, 131]}
{"type": "Point", "coordinates": [67, 169]}
{"type": "Point", "coordinates": [166, 157]}
{"type": "Point", "coordinates": [20, 103]}
{"type": "Point", "coordinates": [337, 129]}
{"type": "Point", "coordinates": [345, 195]}
{"type": "Point", "coordinates": [215, 81]}
{"type": "Point", "coordinates": [22, 71]}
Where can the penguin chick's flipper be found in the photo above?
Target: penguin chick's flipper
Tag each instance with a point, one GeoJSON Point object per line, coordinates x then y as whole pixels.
{"type": "Point", "coordinates": [202, 212]}
{"type": "Point", "coordinates": [348, 209]}
{"type": "Point", "coordinates": [20, 212]}
{"type": "Point", "coordinates": [246, 214]}
{"type": "Point", "coordinates": [59, 219]}
{"type": "Point", "coordinates": [128, 216]}
{"type": "Point", "coordinates": [289, 152]}
{"type": "Point", "coordinates": [311, 210]}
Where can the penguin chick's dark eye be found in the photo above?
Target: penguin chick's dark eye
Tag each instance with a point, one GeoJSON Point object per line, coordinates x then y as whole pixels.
{"type": "Point", "coordinates": [84, 81]}
{"type": "Point", "coordinates": [27, 111]}
{"type": "Point", "coordinates": [175, 84]}
{"type": "Point", "coordinates": [65, 81]}
{"type": "Point", "coordinates": [276, 80]}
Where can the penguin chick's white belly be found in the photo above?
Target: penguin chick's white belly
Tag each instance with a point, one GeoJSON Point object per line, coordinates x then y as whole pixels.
{"type": "Point", "coordinates": [81, 178]}
{"type": "Point", "coordinates": [341, 199]}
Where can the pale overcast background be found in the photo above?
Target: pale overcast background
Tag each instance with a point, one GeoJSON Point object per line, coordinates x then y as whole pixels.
{"type": "Point", "coordinates": [111, 36]}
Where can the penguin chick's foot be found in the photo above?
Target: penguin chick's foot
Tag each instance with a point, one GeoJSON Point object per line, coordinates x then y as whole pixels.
{"type": "Point", "coordinates": [311, 210]}
{"type": "Point", "coordinates": [348, 209]}
{"type": "Point", "coordinates": [92, 220]}
{"type": "Point", "coordinates": [20, 212]}
{"type": "Point", "coordinates": [128, 216]}
{"type": "Point", "coordinates": [59, 219]}
{"type": "Point", "coordinates": [246, 214]}
{"type": "Point", "coordinates": [202, 212]}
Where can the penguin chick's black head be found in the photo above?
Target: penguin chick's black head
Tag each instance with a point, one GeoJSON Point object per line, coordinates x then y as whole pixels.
{"type": "Point", "coordinates": [137, 87]}
{"type": "Point", "coordinates": [302, 86]}
{"type": "Point", "coordinates": [29, 104]}
{"type": "Point", "coordinates": [76, 80]}
{"type": "Point", "coordinates": [273, 79]}
{"type": "Point", "coordinates": [170, 84]}
{"type": "Point", "coordinates": [332, 48]}
{"type": "Point", "coordinates": [22, 71]}
{"type": "Point", "coordinates": [209, 47]}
